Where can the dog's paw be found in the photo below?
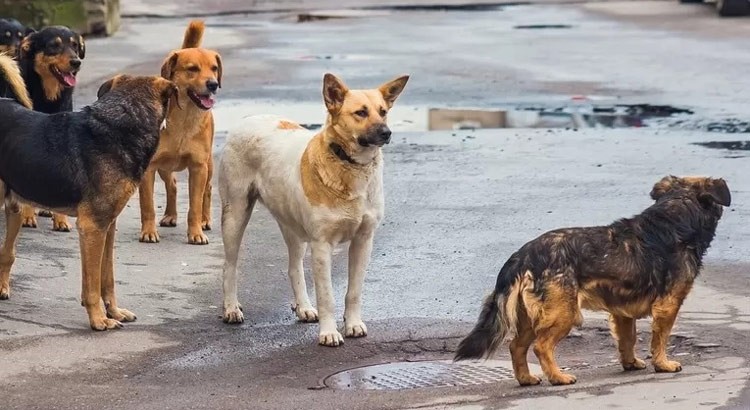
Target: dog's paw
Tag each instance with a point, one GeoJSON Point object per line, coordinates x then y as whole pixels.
{"type": "Point", "coordinates": [233, 314]}
{"type": "Point", "coordinates": [562, 379]}
{"type": "Point", "coordinates": [206, 225]}
{"type": "Point", "coordinates": [197, 239]}
{"type": "Point", "coordinates": [637, 364]}
{"type": "Point", "coordinates": [528, 380]}
{"type": "Point", "coordinates": [330, 339]}
{"type": "Point", "coordinates": [4, 292]}
{"type": "Point", "coordinates": [104, 324]}
{"type": "Point", "coordinates": [28, 222]}
{"type": "Point", "coordinates": [668, 366]}
{"type": "Point", "coordinates": [306, 314]}
{"type": "Point", "coordinates": [121, 315]}
{"type": "Point", "coordinates": [355, 329]}
{"type": "Point", "coordinates": [61, 225]}
{"type": "Point", "coordinates": [148, 236]}
{"type": "Point", "coordinates": [168, 221]}
{"type": "Point", "coordinates": [45, 213]}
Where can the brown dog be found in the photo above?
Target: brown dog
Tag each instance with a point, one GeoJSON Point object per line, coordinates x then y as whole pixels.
{"type": "Point", "coordinates": [633, 268]}
{"type": "Point", "coordinates": [187, 141]}
{"type": "Point", "coordinates": [102, 150]}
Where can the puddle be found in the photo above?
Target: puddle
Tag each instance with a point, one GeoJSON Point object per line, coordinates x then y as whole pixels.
{"type": "Point", "coordinates": [450, 7]}
{"type": "Point", "coordinates": [421, 374]}
{"type": "Point", "coordinates": [541, 26]}
{"type": "Point", "coordinates": [731, 146]}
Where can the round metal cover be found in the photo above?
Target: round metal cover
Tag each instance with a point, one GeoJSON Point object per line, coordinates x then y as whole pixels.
{"type": "Point", "coordinates": [413, 375]}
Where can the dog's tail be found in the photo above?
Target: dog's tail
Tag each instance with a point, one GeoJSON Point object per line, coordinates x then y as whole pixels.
{"type": "Point", "coordinates": [498, 319]}
{"type": "Point", "coordinates": [12, 74]}
{"type": "Point", "coordinates": [194, 34]}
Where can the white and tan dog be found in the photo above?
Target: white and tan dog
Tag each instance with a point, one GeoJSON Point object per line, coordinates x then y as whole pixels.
{"type": "Point", "coordinates": [323, 189]}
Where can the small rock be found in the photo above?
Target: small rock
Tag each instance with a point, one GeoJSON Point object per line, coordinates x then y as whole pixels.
{"type": "Point", "coordinates": [706, 345]}
{"type": "Point", "coordinates": [575, 334]}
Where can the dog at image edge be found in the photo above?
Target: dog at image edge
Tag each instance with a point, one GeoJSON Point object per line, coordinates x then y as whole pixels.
{"type": "Point", "coordinates": [634, 268]}
{"type": "Point", "coordinates": [187, 142]}
{"type": "Point", "coordinates": [50, 60]}
{"type": "Point", "coordinates": [322, 189]}
{"type": "Point", "coordinates": [103, 151]}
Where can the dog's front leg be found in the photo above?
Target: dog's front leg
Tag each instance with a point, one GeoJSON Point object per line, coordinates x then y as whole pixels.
{"type": "Point", "coordinates": [148, 215]}
{"type": "Point", "coordinates": [664, 312]}
{"type": "Point", "coordinates": [92, 239]}
{"type": "Point", "coordinates": [359, 257]}
{"type": "Point", "coordinates": [196, 188]}
{"type": "Point", "coordinates": [321, 258]}
{"type": "Point", "coordinates": [108, 280]}
{"type": "Point", "coordinates": [8, 250]}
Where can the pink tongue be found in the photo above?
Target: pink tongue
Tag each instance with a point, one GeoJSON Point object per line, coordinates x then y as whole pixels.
{"type": "Point", "coordinates": [69, 79]}
{"type": "Point", "coordinates": [206, 101]}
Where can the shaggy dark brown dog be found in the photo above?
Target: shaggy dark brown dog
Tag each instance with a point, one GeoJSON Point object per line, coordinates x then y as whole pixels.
{"type": "Point", "coordinates": [634, 268]}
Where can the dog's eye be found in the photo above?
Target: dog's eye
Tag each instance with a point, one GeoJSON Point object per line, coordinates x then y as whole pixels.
{"type": "Point", "coordinates": [20, 34]}
{"type": "Point", "coordinates": [383, 112]}
{"type": "Point", "coordinates": [194, 69]}
{"type": "Point", "coordinates": [215, 68]}
{"type": "Point", "coordinates": [361, 113]}
{"type": "Point", "coordinates": [7, 34]}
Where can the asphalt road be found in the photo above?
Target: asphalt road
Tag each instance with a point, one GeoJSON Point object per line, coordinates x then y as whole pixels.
{"type": "Point", "coordinates": [457, 204]}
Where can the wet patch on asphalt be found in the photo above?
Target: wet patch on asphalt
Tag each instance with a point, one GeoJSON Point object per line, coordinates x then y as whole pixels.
{"type": "Point", "coordinates": [734, 148]}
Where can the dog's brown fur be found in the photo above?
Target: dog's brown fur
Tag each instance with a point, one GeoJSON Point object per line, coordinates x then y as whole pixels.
{"type": "Point", "coordinates": [634, 268]}
{"type": "Point", "coordinates": [186, 143]}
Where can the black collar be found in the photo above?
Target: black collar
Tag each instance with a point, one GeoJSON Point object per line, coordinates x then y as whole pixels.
{"type": "Point", "coordinates": [338, 150]}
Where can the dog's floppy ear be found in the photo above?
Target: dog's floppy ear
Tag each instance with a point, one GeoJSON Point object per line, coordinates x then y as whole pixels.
{"type": "Point", "coordinates": [24, 51]}
{"type": "Point", "coordinates": [81, 47]}
{"type": "Point", "coordinates": [716, 190]}
{"type": "Point", "coordinates": [221, 69]}
{"type": "Point", "coordinates": [107, 86]}
{"type": "Point", "coordinates": [334, 92]}
{"type": "Point", "coordinates": [174, 91]}
{"type": "Point", "coordinates": [392, 89]}
{"type": "Point", "coordinates": [662, 187]}
{"type": "Point", "coordinates": [167, 69]}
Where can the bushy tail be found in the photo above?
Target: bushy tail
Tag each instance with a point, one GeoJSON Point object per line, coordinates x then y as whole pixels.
{"type": "Point", "coordinates": [194, 34]}
{"type": "Point", "coordinates": [12, 74]}
{"type": "Point", "coordinates": [498, 320]}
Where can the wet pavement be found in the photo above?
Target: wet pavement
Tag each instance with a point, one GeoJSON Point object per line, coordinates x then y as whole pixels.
{"type": "Point", "coordinates": [458, 202]}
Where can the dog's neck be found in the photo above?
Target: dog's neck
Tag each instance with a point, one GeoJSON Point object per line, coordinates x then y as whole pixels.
{"type": "Point", "coordinates": [345, 147]}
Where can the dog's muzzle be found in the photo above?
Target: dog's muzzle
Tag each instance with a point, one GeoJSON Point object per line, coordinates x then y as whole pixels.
{"type": "Point", "coordinates": [378, 135]}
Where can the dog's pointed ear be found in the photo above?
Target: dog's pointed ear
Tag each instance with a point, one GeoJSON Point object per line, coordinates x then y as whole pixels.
{"type": "Point", "coordinates": [392, 89]}
{"type": "Point", "coordinates": [81, 47]}
{"type": "Point", "coordinates": [167, 69]}
{"type": "Point", "coordinates": [662, 187]}
{"type": "Point", "coordinates": [221, 69]}
{"type": "Point", "coordinates": [716, 190]}
{"type": "Point", "coordinates": [24, 52]}
{"type": "Point", "coordinates": [104, 88]}
{"type": "Point", "coordinates": [334, 92]}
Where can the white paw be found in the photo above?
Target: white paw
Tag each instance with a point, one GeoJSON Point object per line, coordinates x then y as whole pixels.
{"type": "Point", "coordinates": [233, 314]}
{"type": "Point", "coordinates": [355, 329]}
{"type": "Point", "coordinates": [306, 314]}
{"type": "Point", "coordinates": [331, 339]}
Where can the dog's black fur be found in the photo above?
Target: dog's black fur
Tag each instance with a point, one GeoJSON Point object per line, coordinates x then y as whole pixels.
{"type": "Point", "coordinates": [11, 34]}
{"type": "Point", "coordinates": [623, 268]}
{"type": "Point", "coordinates": [67, 150]}
{"type": "Point", "coordinates": [42, 48]}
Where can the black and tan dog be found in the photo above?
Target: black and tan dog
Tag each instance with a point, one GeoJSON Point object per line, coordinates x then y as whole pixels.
{"type": "Point", "coordinates": [634, 268]}
{"type": "Point", "coordinates": [50, 60]}
{"type": "Point", "coordinates": [11, 34]}
{"type": "Point", "coordinates": [86, 164]}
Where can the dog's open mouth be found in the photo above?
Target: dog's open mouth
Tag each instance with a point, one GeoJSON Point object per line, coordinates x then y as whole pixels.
{"type": "Point", "coordinates": [205, 101]}
{"type": "Point", "coordinates": [67, 79]}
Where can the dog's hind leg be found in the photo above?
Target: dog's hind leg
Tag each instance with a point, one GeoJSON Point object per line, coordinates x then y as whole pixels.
{"type": "Point", "coordinates": [60, 223]}
{"type": "Point", "coordinates": [552, 319]}
{"type": "Point", "coordinates": [8, 250]}
{"type": "Point", "coordinates": [519, 349]}
{"type": "Point", "coordinates": [321, 260]}
{"type": "Point", "coordinates": [360, 250]}
{"type": "Point", "coordinates": [296, 247]}
{"type": "Point", "coordinates": [27, 216]}
{"type": "Point", "coordinates": [664, 312]}
{"type": "Point", "coordinates": [170, 185]}
{"type": "Point", "coordinates": [108, 280]}
{"type": "Point", "coordinates": [624, 333]}
{"type": "Point", "coordinates": [237, 207]}
{"type": "Point", "coordinates": [148, 215]}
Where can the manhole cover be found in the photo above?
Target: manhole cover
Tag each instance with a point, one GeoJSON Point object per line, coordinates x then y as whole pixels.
{"type": "Point", "coordinates": [413, 375]}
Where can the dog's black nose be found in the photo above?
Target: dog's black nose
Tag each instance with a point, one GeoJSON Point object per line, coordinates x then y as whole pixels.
{"type": "Point", "coordinates": [75, 63]}
{"type": "Point", "coordinates": [212, 85]}
{"type": "Point", "coordinates": [384, 134]}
